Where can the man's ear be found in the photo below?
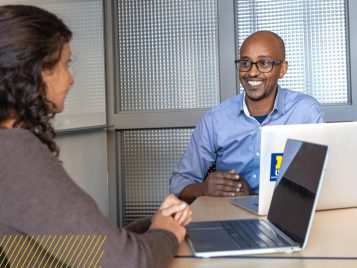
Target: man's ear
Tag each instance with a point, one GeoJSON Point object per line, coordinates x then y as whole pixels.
{"type": "Point", "coordinates": [283, 69]}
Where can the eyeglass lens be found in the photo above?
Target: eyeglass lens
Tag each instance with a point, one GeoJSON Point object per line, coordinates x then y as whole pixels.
{"type": "Point", "coordinates": [263, 66]}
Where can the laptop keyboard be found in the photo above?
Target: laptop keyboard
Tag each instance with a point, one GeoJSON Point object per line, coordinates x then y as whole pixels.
{"type": "Point", "coordinates": [252, 234]}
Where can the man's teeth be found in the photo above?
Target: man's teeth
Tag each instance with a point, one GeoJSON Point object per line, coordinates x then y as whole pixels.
{"type": "Point", "coordinates": [254, 83]}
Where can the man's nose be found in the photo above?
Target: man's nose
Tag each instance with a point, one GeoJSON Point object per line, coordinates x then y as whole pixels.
{"type": "Point", "coordinates": [254, 71]}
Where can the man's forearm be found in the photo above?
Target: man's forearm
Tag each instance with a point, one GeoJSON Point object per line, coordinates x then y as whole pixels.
{"type": "Point", "coordinates": [191, 192]}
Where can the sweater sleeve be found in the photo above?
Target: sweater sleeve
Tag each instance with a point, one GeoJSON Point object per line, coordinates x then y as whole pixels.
{"type": "Point", "coordinates": [139, 226]}
{"type": "Point", "coordinates": [38, 197]}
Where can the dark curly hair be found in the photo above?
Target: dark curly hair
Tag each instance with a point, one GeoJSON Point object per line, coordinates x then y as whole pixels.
{"type": "Point", "coordinates": [31, 40]}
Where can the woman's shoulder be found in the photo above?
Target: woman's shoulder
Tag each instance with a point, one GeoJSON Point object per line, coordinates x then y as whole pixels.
{"type": "Point", "coordinates": [16, 133]}
{"type": "Point", "coordinates": [19, 139]}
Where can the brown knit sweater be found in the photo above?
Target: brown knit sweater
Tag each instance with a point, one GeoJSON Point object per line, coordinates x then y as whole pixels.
{"type": "Point", "coordinates": [37, 197]}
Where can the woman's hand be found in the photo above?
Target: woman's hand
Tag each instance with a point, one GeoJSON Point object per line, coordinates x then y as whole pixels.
{"type": "Point", "coordinates": [183, 216]}
{"type": "Point", "coordinates": [172, 215]}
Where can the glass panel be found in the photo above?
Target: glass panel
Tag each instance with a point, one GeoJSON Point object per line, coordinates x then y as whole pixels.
{"type": "Point", "coordinates": [85, 19]}
{"type": "Point", "coordinates": [316, 45]}
{"type": "Point", "coordinates": [85, 103]}
{"type": "Point", "coordinates": [168, 54]}
{"type": "Point", "coordinates": [149, 157]}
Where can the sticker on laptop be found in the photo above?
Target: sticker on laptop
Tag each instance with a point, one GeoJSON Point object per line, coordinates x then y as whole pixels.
{"type": "Point", "coordinates": [276, 160]}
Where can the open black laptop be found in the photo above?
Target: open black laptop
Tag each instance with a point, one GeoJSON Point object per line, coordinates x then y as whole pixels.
{"type": "Point", "coordinates": [288, 223]}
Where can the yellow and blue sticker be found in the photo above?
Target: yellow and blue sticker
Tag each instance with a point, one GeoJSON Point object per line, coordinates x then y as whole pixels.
{"type": "Point", "coordinates": [276, 160]}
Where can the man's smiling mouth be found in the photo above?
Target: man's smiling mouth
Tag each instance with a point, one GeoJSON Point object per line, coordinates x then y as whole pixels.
{"type": "Point", "coordinates": [254, 83]}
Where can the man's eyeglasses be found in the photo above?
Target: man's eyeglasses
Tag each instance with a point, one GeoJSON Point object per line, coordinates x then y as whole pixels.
{"type": "Point", "coordinates": [264, 66]}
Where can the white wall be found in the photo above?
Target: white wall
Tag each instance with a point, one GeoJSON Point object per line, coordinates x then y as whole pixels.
{"type": "Point", "coordinates": [84, 156]}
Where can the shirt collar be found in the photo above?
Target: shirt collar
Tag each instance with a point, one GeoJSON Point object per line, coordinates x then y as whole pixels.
{"type": "Point", "coordinates": [278, 104]}
{"type": "Point", "coordinates": [244, 107]}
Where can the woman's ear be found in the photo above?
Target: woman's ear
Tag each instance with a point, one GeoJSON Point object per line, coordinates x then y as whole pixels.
{"type": "Point", "coordinates": [47, 77]}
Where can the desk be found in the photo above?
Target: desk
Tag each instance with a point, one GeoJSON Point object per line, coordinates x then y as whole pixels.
{"type": "Point", "coordinates": [332, 241]}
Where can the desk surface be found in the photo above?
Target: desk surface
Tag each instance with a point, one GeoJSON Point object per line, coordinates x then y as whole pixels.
{"type": "Point", "coordinates": [332, 241]}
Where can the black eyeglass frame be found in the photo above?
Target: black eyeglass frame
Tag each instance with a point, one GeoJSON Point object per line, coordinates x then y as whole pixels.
{"type": "Point", "coordinates": [275, 62]}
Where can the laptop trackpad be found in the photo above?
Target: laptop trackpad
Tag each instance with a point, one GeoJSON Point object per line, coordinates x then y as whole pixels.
{"type": "Point", "coordinates": [216, 239]}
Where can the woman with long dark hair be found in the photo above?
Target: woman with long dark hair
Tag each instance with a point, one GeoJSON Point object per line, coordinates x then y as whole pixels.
{"type": "Point", "coordinates": [37, 196]}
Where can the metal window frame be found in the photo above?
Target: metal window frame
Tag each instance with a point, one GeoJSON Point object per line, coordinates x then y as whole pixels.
{"type": "Point", "coordinates": [347, 112]}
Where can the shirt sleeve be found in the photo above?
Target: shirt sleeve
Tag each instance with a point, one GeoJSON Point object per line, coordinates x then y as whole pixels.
{"type": "Point", "coordinates": [197, 158]}
{"type": "Point", "coordinates": [313, 113]}
{"type": "Point", "coordinates": [38, 197]}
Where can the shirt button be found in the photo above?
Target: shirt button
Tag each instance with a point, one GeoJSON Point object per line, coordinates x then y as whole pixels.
{"type": "Point", "coordinates": [257, 153]}
{"type": "Point", "coordinates": [254, 176]}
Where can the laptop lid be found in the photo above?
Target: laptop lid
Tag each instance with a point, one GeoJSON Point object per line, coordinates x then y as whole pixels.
{"type": "Point", "coordinates": [340, 137]}
{"type": "Point", "coordinates": [295, 196]}
{"type": "Point", "coordinates": [291, 212]}
{"type": "Point", "coordinates": [341, 140]}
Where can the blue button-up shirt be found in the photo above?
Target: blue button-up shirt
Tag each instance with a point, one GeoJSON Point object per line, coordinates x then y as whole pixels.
{"type": "Point", "coordinates": [228, 135]}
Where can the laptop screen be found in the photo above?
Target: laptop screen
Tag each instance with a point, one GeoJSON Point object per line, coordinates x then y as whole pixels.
{"type": "Point", "coordinates": [293, 200]}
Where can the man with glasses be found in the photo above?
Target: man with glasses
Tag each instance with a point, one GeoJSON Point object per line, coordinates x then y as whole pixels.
{"type": "Point", "coordinates": [228, 136]}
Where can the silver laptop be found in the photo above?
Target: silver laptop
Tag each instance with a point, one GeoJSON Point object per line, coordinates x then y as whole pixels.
{"type": "Point", "coordinates": [287, 226]}
{"type": "Point", "coordinates": [342, 142]}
